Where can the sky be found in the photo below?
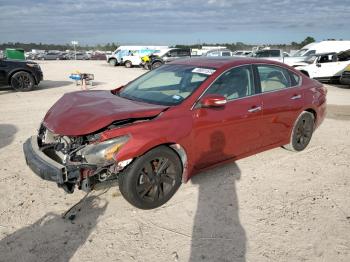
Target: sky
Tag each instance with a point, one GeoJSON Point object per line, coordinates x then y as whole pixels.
{"type": "Point", "coordinates": [168, 22]}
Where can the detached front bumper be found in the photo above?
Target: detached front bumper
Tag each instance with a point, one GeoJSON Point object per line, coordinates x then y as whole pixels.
{"type": "Point", "coordinates": [41, 164]}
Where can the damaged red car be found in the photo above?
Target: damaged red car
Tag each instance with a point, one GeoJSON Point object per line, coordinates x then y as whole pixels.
{"type": "Point", "coordinates": [173, 122]}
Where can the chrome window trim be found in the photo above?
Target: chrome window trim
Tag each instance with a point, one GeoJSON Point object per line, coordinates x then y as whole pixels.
{"type": "Point", "coordinates": [228, 101]}
{"type": "Point", "coordinates": [261, 93]}
{"type": "Point", "coordinates": [274, 65]}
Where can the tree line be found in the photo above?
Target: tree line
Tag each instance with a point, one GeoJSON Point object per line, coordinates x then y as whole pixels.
{"type": "Point", "coordinates": [243, 46]}
{"type": "Point", "coordinates": [112, 46]}
{"type": "Point", "coordinates": [61, 47]}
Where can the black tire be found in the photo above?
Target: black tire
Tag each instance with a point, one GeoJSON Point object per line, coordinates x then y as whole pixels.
{"type": "Point", "coordinates": [128, 64]}
{"type": "Point", "coordinates": [156, 64]}
{"type": "Point", "coordinates": [152, 179]}
{"type": "Point", "coordinates": [22, 81]}
{"type": "Point", "coordinates": [302, 132]}
{"type": "Point", "coordinates": [113, 62]}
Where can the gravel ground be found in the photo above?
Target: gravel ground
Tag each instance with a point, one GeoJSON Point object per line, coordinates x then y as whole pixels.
{"type": "Point", "coordinates": [274, 206]}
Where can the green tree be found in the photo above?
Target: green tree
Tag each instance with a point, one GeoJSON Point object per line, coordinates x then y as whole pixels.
{"type": "Point", "coordinates": [307, 40]}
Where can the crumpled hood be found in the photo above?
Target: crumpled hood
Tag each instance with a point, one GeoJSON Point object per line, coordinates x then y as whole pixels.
{"type": "Point", "coordinates": [84, 112]}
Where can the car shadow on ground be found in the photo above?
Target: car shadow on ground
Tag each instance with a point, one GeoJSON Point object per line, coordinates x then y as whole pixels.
{"type": "Point", "coordinates": [217, 232]}
{"type": "Point", "coordinates": [52, 238]}
{"type": "Point", "coordinates": [5, 90]}
{"type": "Point", "coordinates": [7, 134]}
{"type": "Point", "coordinates": [47, 84]}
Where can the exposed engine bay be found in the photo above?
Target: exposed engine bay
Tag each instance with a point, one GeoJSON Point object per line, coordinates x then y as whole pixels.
{"type": "Point", "coordinates": [88, 163]}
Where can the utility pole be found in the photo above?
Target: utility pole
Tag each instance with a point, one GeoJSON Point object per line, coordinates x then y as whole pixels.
{"type": "Point", "coordinates": [75, 43]}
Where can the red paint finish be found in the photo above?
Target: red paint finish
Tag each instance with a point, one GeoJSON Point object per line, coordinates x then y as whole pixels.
{"type": "Point", "coordinates": [209, 135]}
{"type": "Point", "coordinates": [84, 112]}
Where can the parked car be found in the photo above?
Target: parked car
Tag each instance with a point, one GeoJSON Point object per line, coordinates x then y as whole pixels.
{"type": "Point", "coordinates": [242, 53]}
{"type": "Point", "coordinates": [327, 67]}
{"type": "Point", "coordinates": [173, 122]}
{"type": "Point", "coordinates": [323, 47]}
{"type": "Point", "coordinates": [219, 52]}
{"type": "Point", "coordinates": [345, 76]}
{"type": "Point", "coordinates": [98, 56]}
{"type": "Point", "coordinates": [79, 56]}
{"type": "Point", "coordinates": [165, 56]}
{"type": "Point", "coordinates": [50, 56]}
{"type": "Point", "coordinates": [271, 54]}
{"type": "Point", "coordinates": [63, 56]}
{"type": "Point", "coordinates": [20, 75]}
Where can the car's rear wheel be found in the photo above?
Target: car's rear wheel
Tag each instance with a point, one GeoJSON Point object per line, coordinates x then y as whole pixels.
{"type": "Point", "coordinates": [156, 65]}
{"type": "Point", "coordinates": [152, 179]}
{"type": "Point", "coordinates": [302, 132]}
{"type": "Point", "coordinates": [22, 81]}
{"type": "Point", "coordinates": [128, 64]}
{"type": "Point", "coordinates": [113, 62]}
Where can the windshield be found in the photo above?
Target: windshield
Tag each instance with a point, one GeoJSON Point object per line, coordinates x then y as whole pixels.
{"type": "Point", "coordinates": [310, 59]}
{"type": "Point", "coordinates": [166, 85]}
{"type": "Point", "coordinates": [304, 52]}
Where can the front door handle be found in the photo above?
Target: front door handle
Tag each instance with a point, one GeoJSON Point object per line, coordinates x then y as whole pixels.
{"type": "Point", "coordinates": [295, 97]}
{"type": "Point", "coordinates": [254, 109]}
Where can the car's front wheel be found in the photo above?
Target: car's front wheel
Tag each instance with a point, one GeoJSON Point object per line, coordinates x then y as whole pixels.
{"type": "Point", "coordinates": [302, 132]}
{"type": "Point", "coordinates": [152, 179]}
{"type": "Point", "coordinates": [113, 62]}
{"type": "Point", "coordinates": [128, 64]}
{"type": "Point", "coordinates": [22, 81]}
{"type": "Point", "coordinates": [156, 65]}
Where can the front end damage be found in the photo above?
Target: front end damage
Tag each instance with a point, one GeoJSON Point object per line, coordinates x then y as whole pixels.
{"type": "Point", "coordinates": [75, 161]}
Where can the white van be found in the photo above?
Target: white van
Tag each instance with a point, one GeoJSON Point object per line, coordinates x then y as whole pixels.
{"type": "Point", "coordinates": [326, 67]}
{"type": "Point", "coordinates": [329, 46]}
{"type": "Point", "coordinates": [117, 57]}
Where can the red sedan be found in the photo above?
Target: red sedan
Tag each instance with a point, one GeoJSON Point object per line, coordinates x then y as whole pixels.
{"type": "Point", "coordinates": [173, 122]}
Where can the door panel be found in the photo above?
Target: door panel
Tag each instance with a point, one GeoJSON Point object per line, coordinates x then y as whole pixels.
{"type": "Point", "coordinates": [280, 111]}
{"type": "Point", "coordinates": [233, 129]}
{"type": "Point", "coordinates": [227, 132]}
{"type": "Point", "coordinates": [3, 71]}
{"type": "Point", "coordinates": [281, 103]}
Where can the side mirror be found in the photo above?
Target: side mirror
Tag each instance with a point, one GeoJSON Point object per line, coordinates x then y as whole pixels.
{"type": "Point", "coordinates": [318, 65]}
{"type": "Point", "coordinates": [213, 101]}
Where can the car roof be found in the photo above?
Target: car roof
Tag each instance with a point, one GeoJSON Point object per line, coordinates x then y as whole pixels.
{"type": "Point", "coordinates": [218, 62]}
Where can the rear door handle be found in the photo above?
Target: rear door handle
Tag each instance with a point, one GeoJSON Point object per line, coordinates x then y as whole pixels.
{"type": "Point", "coordinates": [254, 109]}
{"type": "Point", "coordinates": [295, 97]}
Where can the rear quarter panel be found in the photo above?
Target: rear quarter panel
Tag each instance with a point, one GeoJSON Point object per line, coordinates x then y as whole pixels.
{"type": "Point", "coordinates": [315, 98]}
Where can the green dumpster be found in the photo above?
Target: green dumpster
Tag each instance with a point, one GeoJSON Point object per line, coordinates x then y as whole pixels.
{"type": "Point", "coordinates": [12, 53]}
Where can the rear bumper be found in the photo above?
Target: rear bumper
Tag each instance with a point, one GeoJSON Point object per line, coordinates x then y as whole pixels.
{"type": "Point", "coordinates": [42, 165]}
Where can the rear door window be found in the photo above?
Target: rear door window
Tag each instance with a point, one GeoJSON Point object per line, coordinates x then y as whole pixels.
{"type": "Point", "coordinates": [273, 78]}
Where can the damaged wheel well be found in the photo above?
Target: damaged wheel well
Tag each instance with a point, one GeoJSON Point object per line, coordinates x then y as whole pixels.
{"type": "Point", "coordinates": [310, 110]}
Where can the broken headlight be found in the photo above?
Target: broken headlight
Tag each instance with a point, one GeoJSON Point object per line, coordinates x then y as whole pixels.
{"type": "Point", "coordinates": [103, 153]}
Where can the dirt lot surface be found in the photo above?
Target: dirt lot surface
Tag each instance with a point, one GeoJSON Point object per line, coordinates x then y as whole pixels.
{"type": "Point", "coordinates": [275, 206]}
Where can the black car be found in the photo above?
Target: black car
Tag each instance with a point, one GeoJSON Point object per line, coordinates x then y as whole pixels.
{"type": "Point", "coordinates": [165, 56]}
{"type": "Point", "coordinates": [21, 75]}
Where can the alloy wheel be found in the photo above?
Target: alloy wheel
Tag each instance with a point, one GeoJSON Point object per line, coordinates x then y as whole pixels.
{"type": "Point", "coordinates": [156, 179]}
